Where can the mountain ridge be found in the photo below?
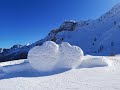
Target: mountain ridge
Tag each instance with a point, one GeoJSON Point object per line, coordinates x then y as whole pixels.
{"type": "Point", "coordinates": [95, 37]}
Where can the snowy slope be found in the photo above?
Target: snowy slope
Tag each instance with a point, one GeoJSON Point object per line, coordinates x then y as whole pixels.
{"type": "Point", "coordinates": [18, 75]}
{"type": "Point", "coordinates": [96, 37]}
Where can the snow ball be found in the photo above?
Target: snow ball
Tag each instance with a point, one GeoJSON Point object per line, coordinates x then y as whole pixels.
{"type": "Point", "coordinates": [43, 58]}
{"type": "Point", "coordinates": [70, 56]}
{"type": "Point", "coordinates": [95, 62]}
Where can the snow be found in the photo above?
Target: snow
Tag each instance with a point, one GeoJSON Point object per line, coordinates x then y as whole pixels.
{"type": "Point", "coordinates": [22, 76]}
{"type": "Point", "coordinates": [44, 58]}
{"type": "Point", "coordinates": [72, 56]}
{"type": "Point", "coordinates": [51, 56]}
{"type": "Point", "coordinates": [97, 61]}
{"type": "Point", "coordinates": [1, 70]}
{"type": "Point", "coordinates": [90, 35]}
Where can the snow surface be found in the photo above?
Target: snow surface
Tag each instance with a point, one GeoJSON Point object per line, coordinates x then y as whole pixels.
{"type": "Point", "coordinates": [51, 56]}
{"type": "Point", "coordinates": [44, 58]}
{"type": "Point", "coordinates": [1, 70]}
{"type": "Point", "coordinates": [70, 56]}
{"type": "Point", "coordinates": [95, 62]}
{"type": "Point", "coordinates": [19, 75]}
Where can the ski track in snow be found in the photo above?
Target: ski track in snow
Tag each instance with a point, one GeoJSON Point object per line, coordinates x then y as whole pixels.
{"type": "Point", "coordinates": [19, 75]}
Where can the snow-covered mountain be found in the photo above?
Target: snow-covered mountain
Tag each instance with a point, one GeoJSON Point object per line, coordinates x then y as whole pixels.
{"type": "Point", "coordinates": [95, 37]}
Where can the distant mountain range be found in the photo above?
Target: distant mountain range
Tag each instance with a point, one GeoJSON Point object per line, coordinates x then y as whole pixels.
{"type": "Point", "coordinates": [95, 37]}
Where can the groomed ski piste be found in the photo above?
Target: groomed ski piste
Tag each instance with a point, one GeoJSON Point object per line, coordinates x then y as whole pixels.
{"type": "Point", "coordinates": [60, 67]}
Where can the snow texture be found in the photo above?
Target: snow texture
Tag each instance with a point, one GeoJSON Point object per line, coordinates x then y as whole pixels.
{"type": "Point", "coordinates": [70, 56]}
{"type": "Point", "coordinates": [95, 62]}
{"type": "Point", "coordinates": [1, 71]}
{"type": "Point", "coordinates": [51, 56]}
{"type": "Point", "coordinates": [19, 75]}
{"type": "Point", "coordinates": [44, 58]}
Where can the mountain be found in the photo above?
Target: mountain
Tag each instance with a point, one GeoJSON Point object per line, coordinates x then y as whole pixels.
{"type": "Point", "coordinates": [95, 37]}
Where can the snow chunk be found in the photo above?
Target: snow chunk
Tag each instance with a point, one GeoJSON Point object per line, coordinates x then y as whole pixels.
{"type": "Point", "coordinates": [70, 56]}
{"type": "Point", "coordinates": [95, 62]}
{"type": "Point", "coordinates": [50, 56]}
{"type": "Point", "coordinates": [43, 58]}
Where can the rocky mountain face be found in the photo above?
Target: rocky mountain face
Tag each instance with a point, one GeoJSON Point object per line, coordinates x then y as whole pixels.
{"type": "Point", "coordinates": [95, 37]}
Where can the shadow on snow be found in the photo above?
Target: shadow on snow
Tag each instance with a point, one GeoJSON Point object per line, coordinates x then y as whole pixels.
{"type": "Point", "coordinates": [20, 70]}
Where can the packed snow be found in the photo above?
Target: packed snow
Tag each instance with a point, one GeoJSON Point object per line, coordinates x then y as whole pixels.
{"type": "Point", "coordinates": [51, 56]}
{"type": "Point", "coordinates": [44, 58]}
{"type": "Point", "coordinates": [70, 56]}
{"type": "Point", "coordinates": [19, 75]}
{"type": "Point", "coordinates": [95, 62]}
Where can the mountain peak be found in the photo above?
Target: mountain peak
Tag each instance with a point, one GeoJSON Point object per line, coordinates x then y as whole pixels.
{"type": "Point", "coordinates": [111, 14]}
{"type": "Point", "coordinates": [117, 5]}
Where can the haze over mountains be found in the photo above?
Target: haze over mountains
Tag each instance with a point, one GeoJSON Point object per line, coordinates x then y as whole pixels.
{"type": "Point", "coordinates": [95, 37]}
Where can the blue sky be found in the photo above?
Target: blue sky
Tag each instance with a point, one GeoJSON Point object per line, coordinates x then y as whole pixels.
{"type": "Point", "coordinates": [24, 21]}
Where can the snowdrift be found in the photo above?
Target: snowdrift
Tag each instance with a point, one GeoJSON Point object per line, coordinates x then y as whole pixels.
{"type": "Point", "coordinates": [51, 56]}
{"type": "Point", "coordinates": [94, 61]}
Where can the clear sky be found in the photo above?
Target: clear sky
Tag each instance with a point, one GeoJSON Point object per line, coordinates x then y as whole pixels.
{"type": "Point", "coordinates": [24, 21]}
